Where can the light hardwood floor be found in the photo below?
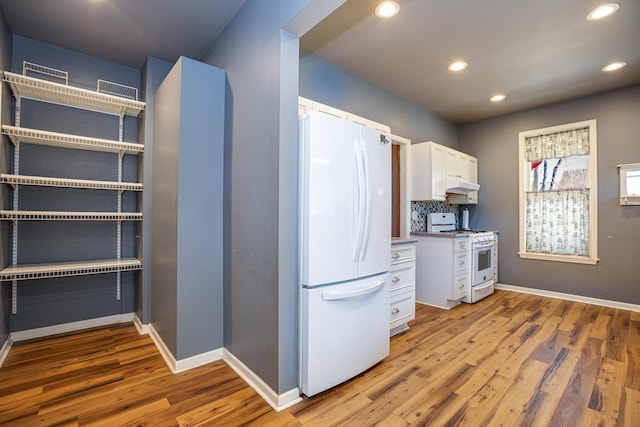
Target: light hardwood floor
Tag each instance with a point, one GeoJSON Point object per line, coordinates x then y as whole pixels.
{"type": "Point", "coordinates": [511, 360]}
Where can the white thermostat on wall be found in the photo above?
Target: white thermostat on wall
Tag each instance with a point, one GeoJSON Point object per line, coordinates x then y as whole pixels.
{"type": "Point", "coordinates": [630, 184]}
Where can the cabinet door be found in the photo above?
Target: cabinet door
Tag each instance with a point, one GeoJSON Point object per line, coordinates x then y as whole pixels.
{"type": "Point", "coordinates": [459, 287]}
{"type": "Point", "coordinates": [438, 175]}
{"type": "Point", "coordinates": [463, 166]}
{"type": "Point", "coordinates": [451, 164]}
{"type": "Point", "coordinates": [427, 171]}
{"type": "Point", "coordinates": [472, 170]}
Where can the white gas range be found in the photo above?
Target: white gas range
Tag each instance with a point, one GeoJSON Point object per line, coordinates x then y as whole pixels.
{"type": "Point", "coordinates": [481, 254]}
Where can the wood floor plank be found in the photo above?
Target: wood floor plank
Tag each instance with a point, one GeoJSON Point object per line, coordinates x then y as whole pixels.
{"type": "Point", "coordinates": [617, 336]}
{"type": "Point", "coordinates": [518, 400]}
{"type": "Point", "coordinates": [570, 408]}
{"type": "Point", "coordinates": [133, 416]}
{"type": "Point", "coordinates": [511, 359]}
{"type": "Point", "coordinates": [594, 418]}
{"type": "Point", "coordinates": [481, 406]}
{"type": "Point", "coordinates": [632, 379]}
{"type": "Point", "coordinates": [608, 388]}
{"type": "Point", "coordinates": [601, 326]}
{"type": "Point", "coordinates": [630, 411]}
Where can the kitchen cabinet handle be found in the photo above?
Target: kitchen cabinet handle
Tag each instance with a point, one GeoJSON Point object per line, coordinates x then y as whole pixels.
{"type": "Point", "coordinates": [395, 255]}
{"type": "Point", "coordinates": [395, 279]}
{"type": "Point", "coordinates": [395, 310]}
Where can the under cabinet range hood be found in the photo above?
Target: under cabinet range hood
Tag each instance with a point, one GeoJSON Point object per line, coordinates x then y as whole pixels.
{"type": "Point", "coordinates": [456, 186]}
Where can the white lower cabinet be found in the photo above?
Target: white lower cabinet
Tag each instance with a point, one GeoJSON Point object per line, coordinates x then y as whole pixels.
{"type": "Point", "coordinates": [403, 289]}
{"type": "Point", "coordinates": [442, 276]}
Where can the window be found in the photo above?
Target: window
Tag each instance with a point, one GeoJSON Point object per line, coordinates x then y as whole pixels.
{"type": "Point", "coordinates": [558, 193]}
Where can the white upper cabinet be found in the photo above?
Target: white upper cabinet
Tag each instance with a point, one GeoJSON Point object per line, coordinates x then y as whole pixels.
{"type": "Point", "coordinates": [456, 164]}
{"type": "Point", "coordinates": [469, 173]}
{"type": "Point", "coordinates": [428, 171]}
{"type": "Point", "coordinates": [432, 164]}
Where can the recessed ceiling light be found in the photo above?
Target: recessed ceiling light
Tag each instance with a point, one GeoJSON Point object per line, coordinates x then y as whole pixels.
{"type": "Point", "coordinates": [614, 66]}
{"type": "Point", "coordinates": [497, 98]}
{"type": "Point", "coordinates": [603, 11]}
{"type": "Point", "coordinates": [457, 66]}
{"type": "Point", "coordinates": [387, 9]}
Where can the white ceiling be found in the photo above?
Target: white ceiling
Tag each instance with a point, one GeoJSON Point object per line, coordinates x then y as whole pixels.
{"type": "Point", "coordinates": [534, 51]}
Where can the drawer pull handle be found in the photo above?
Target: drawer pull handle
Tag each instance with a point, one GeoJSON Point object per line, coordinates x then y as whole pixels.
{"type": "Point", "coordinates": [395, 310]}
{"type": "Point", "coordinates": [395, 255]}
{"type": "Point", "coordinates": [395, 279]}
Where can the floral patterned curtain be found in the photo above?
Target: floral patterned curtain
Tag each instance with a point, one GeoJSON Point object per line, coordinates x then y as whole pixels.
{"type": "Point", "coordinates": [557, 145]}
{"type": "Point", "coordinates": [557, 222]}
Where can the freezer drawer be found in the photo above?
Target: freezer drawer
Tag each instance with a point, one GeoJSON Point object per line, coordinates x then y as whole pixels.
{"type": "Point", "coordinates": [344, 331]}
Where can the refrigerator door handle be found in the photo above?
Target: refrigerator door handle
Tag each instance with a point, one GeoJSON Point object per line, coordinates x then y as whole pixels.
{"type": "Point", "coordinates": [367, 202]}
{"type": "Point", "coordinates": [336, 296]}
{"type": "Point", "coordinates": [360, 223]}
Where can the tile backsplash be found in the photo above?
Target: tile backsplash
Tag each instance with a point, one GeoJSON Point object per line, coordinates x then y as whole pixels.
{"type": "Point", "coordinates": [419, 211]}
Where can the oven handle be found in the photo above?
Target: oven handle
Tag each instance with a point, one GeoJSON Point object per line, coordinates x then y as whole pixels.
{"type": "Point", "coordinates": [483, 244]}
{"type": "Point", "coordinates": [483, 286]}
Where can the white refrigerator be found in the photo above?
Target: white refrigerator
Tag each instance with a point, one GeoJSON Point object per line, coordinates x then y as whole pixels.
{"type": "Point", "coordinates": [345, 220]}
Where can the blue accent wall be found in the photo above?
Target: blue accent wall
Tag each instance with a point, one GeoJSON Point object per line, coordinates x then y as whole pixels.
{"type": "Point", "coordinates": [153, 73]}
{"type": "Point", "coordinates": [186, 250]}
{"type": "Point", "coordinates": [5, 193]}
{"type": "Point", "coordinates": [50, 302]}
{"type": "Point", "coordinates": [260, 290]}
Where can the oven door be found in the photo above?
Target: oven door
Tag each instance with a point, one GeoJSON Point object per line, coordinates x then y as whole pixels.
{"type": "Point", "coordinates": [482, 262]}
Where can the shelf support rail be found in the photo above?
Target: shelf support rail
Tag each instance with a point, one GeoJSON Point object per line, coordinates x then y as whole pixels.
{"type": "Point", "coordinates": [15, 207]}
{"type": "Point", "coordinates": [119, 222]}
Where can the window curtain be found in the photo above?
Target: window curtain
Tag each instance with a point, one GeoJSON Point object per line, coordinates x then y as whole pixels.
{"type": "Point", "coordinates": [557, 145]}
{"type": "Point", "coordinates": [557, 222]}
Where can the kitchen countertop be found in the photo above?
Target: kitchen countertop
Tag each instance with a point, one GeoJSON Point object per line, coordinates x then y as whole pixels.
{"type": "Point", "coordinates": [442, 234]}
{"type": "Point", "coordinates": [401, 241]}
{"type": "Point", "coordinates": [439, 234]}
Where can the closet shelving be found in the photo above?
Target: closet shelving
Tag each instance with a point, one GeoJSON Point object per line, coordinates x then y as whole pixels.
{"type": "Point", "coordinates": [110, 98]}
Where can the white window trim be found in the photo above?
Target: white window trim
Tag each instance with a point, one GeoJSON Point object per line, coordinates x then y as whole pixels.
{"type": "Point", "coordinates": [524, 181]}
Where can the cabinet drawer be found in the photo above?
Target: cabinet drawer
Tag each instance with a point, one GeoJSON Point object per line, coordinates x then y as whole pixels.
{"type": "Point", "coordinates": [460, 245]}
{"type": "Point", "coordinates": [460, 263]}
{"type": "Point", "coordinates": [402, 309]}
{"type": "Point", "coordinates": [402, 275]}
{"type": "Point", "coordinates": [403, 253]}
{"type": "Point", "coordinates": [459, 289]}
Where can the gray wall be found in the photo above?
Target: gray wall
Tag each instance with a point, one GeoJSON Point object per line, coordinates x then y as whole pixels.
{"type": "Point", "coordinates": [186, 224]}
{"type": "Point", "coordinates": [153, 73]}
{"type": "Point", "coordinates": [54, 301]}
{"type": "Point", "coordinates": [495, 143]}
{"type": "Point", "coordinates": [5, 165]}
{"type": "Point", "coordinates": [324, 82]}
{"type": "Point", "coordinates": [260, 310]}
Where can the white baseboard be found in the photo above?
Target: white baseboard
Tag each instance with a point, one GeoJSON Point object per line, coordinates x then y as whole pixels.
{"type": "Point", "coordinates": [141, 327]}
{"type": "Point", "coordinates": [72, 326]}
{"type": "Point", "coordinates": [277, 401]}
{"type": "Point", "coordinates": [569, 297]}
{"type": "Point", "coordinates": [4, 351]}
{"type": "Point", "coordinates": [182, 365]}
